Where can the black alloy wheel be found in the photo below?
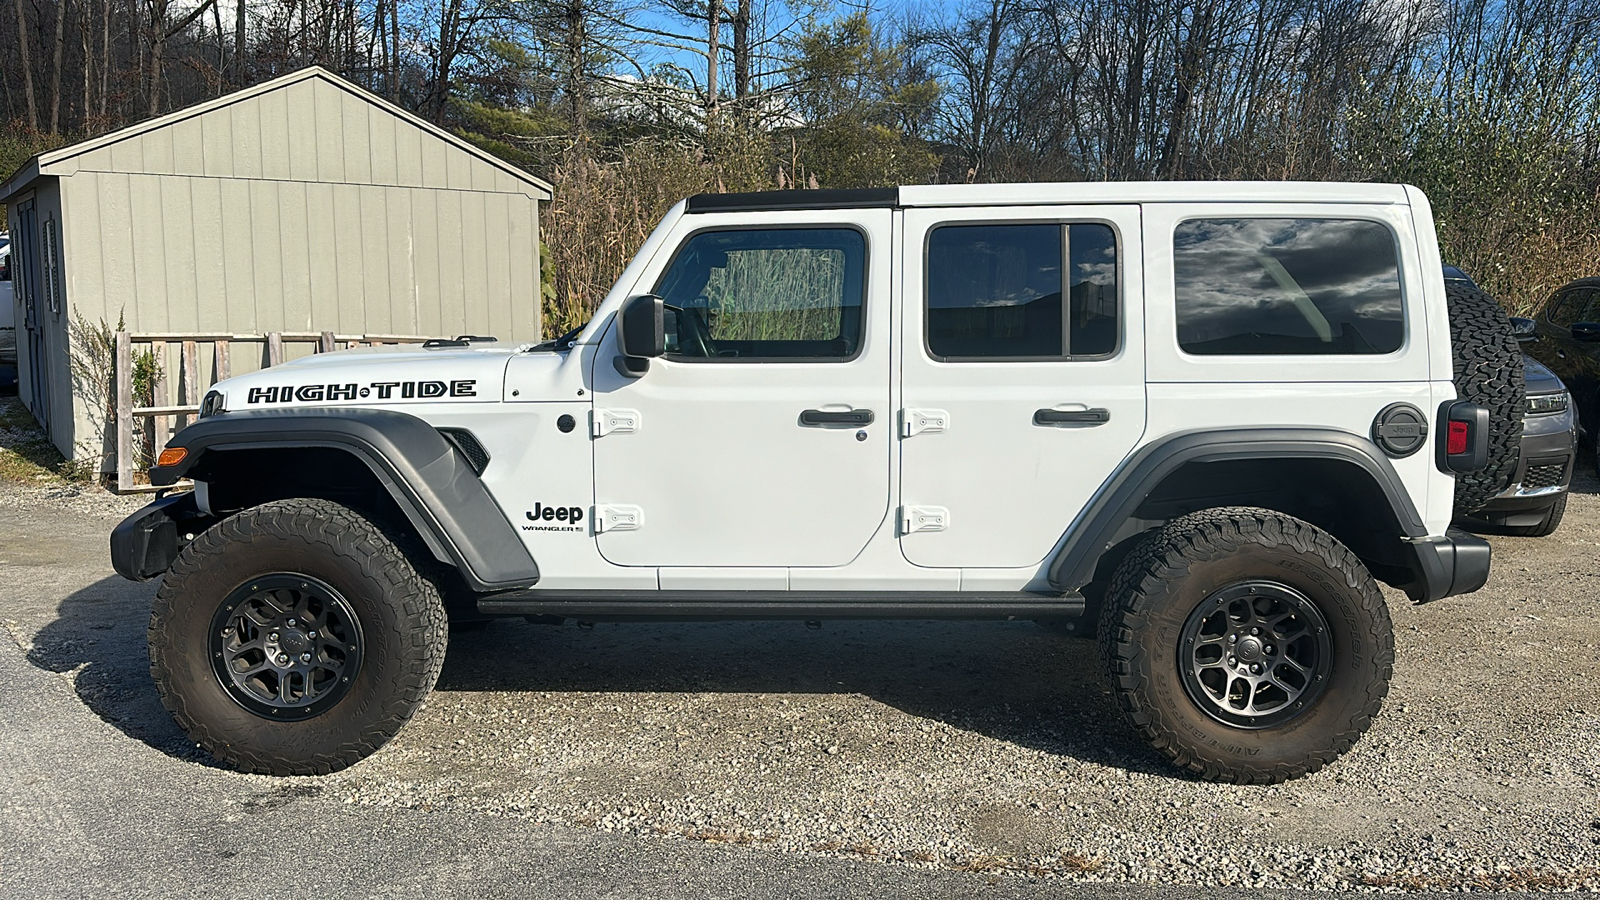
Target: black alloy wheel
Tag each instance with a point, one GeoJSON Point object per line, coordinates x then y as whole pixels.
{"type": "Point", "coordinates": [295, 637]}
{"type": "Point", "coordinates": [1255, 654]}
{"type": "Point", "coordinates": [286, 646]}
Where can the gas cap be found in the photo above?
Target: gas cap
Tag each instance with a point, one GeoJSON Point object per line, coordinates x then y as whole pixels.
{"type": "Point", "coordinates": [1401, 430]}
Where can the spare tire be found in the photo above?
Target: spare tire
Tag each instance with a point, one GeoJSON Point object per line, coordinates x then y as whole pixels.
{"type": "Point", "coordinates": [1488, 371]}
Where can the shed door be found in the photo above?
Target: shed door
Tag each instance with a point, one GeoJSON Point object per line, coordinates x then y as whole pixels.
{"type": "Point", "coordinates": [27, 281]}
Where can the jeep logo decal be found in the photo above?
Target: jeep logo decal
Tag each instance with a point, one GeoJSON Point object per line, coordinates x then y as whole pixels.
{"type": "Point", "coordinates": [564, 518]}
{"type": "Point", "coordinates": [385, 390]}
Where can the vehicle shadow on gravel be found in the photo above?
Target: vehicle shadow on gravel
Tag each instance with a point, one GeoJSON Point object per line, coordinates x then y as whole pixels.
{"type": "Point", "coordinates": [98, 636]}
{"type": "Point", "coordinates": [1009, 681]}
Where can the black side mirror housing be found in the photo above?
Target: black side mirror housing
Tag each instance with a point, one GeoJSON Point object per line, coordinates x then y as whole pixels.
{"type": "Point", "coordinates": [1524, 328]}
{"type": "Point", "coordinates": [641, 333]}
{"type": "Point", "coordinates": [1588, 332]}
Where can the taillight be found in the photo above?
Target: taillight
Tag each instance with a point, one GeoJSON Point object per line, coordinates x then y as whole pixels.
{"type": "Point", "coordinates": [1464, 444]}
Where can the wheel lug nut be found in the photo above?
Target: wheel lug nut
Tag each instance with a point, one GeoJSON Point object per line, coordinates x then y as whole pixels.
{"type": "Point", "coordinates": [1252, 631]}
{"type": "Point", "coordinates": [1256, 669]}
{"type": "Point", "coordinates": [1233, 639]}
{"type": "Point", "coordinates": [291, 623]}
{"type": "Point", "coordinates": [283, 658]}
{"type": "Point", "coordinates": [1270, 649]}
{"type": "Point", "coordinates": [305, 657]}
{"type": "Point", "coordinates": [311, 634]}
{"type": "Point", "coordinates": [1231, 660]}
{"type": "Point", "coordinates": [273, 636]}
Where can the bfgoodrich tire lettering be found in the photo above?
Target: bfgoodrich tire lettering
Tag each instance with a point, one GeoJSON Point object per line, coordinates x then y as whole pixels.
{"type": "Point", "coordinates": [1205, 555]}
{"type": "Point", "coordinates": [400, 618]}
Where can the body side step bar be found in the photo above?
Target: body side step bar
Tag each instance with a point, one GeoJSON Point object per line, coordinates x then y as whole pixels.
{"type": "Point", "coordinates": [780, 605]}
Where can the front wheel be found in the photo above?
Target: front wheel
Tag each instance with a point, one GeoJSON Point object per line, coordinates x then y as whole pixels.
{"type": "Point", "coordinates": [1546, 525]}
{"type": "Point", "coordinates": [294, 638]}
{"type": "Point", "coordinates": [1246, 645]}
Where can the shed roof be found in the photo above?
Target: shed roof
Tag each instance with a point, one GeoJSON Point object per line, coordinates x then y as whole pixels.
{"type": "Point", "coordinates": [159, 145]}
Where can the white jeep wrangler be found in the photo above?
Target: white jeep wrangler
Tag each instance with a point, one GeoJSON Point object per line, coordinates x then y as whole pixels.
{"type": "Point", "coordinates": [1208, 417]}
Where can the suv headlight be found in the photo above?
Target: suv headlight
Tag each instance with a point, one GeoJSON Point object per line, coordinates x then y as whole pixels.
{"type": "Point", "coordinates": [212, 404]}
{"type": "Point", "coordinates": [1547, 404]}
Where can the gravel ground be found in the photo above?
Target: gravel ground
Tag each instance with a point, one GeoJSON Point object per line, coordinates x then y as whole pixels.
{"type": "Point", "coordinates": [983, 747]}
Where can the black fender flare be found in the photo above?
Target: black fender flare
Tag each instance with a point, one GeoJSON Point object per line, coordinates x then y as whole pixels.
{"type": "Point", "coordinates": [1091, 534]}
{"type": "Point", "coordinates": [444, 499]}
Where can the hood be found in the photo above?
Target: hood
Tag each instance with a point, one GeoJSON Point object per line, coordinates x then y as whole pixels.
{"type": "Point", "coordinates": [1538, 379]}
{"type": "Point", "coordinates": [375, 377]}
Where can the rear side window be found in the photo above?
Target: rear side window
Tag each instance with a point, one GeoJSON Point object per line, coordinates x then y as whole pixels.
{"type": "Point", "coordinates": [1274, 287]}
{"type": "Point", "coordinates": [996, 291]}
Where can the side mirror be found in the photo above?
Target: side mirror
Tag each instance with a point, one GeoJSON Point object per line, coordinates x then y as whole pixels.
{"type": "Point", "coordinates": [641, 333]}
{"type": "Point", "coordinates": [1588, 332]}
{"type": "Point", "coordinates": [1524, 329]}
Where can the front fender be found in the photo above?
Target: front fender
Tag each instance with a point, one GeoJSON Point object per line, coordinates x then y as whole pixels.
{"type": "Point", "coordinates": [426, 476]}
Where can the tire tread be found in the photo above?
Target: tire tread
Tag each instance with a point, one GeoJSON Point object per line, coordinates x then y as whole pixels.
{"type": "Point", "coordinates": [324, 526]}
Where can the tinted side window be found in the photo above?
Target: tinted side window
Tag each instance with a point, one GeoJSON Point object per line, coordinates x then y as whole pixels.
{"type": "Point", "coordinates": [791, 293]}
{"type": "Point", "coordinates": [1287, 286]}
{"type": "Point", "coordinates": [995, 291]}
{"type": "Point", "coordinates": [1575, 305]}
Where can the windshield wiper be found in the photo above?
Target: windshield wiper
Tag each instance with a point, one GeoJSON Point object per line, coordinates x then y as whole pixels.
{"type": "Point", "coordinates": [561, 344]}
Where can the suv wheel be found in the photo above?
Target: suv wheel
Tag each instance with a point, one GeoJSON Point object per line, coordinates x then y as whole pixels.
{"type": "Point", "coordinates": [1547, 525]}
{"type": "Point", "coordinates": [1246, 645]}
{"type": "Point", "coordinates": [294, 638]}
{"type": "Point", "coordinates": [1488, 371]}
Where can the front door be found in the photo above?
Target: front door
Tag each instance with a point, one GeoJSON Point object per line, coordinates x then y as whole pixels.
{"type": "Point", "coordinates": [762, 437]}
{"type": "Point", "coordinates": [1576, 362]}
{"type": "Point", "coordinates": [1023, 375]}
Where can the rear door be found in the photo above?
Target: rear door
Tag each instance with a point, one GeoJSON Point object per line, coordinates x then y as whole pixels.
{"type": "Point", "coordinates": [1023, 375]}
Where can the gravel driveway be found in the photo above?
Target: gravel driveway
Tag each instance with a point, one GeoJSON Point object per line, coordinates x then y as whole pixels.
{"type": "Point", "coordinates": [987, 748]}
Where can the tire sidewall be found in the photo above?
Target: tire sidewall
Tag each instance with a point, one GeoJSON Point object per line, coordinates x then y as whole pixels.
{"type": "Point", "coordinates": [1354, 635]}
{"type": "Point", "coordinates": [187, 660]}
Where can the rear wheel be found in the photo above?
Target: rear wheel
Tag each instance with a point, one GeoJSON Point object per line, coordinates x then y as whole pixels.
{"type": "Point", "coordinates": [294, 638]}
{"type": "Point", "coordinates": [1246, 645]}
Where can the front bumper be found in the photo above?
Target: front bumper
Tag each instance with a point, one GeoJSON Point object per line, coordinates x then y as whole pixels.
{"type": "Point", "coordinates": [145, 543]}
{"type": "Point", "coordinates": [1544, 471]}
{"type": "Point", "coordinates": [1456, 563]}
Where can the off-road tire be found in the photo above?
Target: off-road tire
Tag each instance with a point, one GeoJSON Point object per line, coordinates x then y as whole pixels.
{"type": "Point", "coordinates": [402, 621]}
{"type": "Point", "coordinates": [1546, 526]}
{"type": "Point", "coordinates": [1155, 590]}
{"type": "Point", "coordinates": [1488, 371]}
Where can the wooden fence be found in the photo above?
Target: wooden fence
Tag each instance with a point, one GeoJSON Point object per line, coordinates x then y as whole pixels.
{"type": "Point", "coordinates": [175, 402]}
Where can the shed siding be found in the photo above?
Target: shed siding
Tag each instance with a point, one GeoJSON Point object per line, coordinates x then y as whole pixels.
{"type": "Point", "coordinates": [176, 253]}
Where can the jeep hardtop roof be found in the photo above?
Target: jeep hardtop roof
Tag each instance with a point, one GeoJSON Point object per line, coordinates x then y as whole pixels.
{"type": "Point", "coordinates": [1057, 193]}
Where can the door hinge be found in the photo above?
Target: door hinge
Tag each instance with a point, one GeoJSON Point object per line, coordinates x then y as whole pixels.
{"type": "Point", "coordinates": [923, 518]}
{"type": "Point", "coordinates": [613, 421]}
{"type": "Point", "coordinates": [617, 517]}
{"type": "Point", "coordinates": [919, 421]}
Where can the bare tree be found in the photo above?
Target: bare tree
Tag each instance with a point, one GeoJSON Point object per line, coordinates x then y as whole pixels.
{"type": "Point", "coordinates": [23, 49]}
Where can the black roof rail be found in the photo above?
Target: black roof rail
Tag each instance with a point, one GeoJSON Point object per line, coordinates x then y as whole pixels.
{"type": "Point", "coordinates": [776, 200]}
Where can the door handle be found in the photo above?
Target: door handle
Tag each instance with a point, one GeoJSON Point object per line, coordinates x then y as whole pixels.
{"type": "Point", "coordinates": [1096, 416]}
{"type": "Point", "coordinates": [824, 417]}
